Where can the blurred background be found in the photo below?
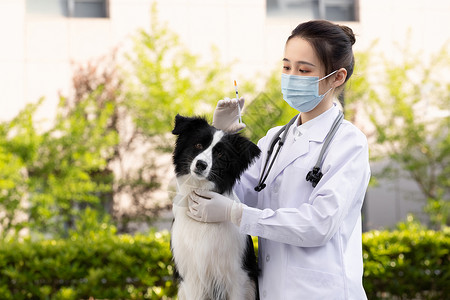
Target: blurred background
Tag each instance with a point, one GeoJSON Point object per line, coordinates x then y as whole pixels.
{"type": "Point", "coordinates": [67, 49]}
{"type": "Point", "coordinates": [57, 53]}
{"type": "Point", "coordinates": [90, 89]}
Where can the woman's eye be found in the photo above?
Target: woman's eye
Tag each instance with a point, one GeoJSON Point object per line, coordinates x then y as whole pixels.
{"type": "Point", "coordinates": [286, 68]}
{"type": "Point", "coordinates": [198, 146]}
{"type": "Point", "coordinates": [303, 71]}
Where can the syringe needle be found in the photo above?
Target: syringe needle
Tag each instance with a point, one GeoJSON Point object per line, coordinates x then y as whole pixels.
{"type": "Point", "coordinates": [237, 98]}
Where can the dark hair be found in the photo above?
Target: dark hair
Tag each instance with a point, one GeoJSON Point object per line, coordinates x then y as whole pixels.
{"type": "Point", "coordinates": [332, 43]}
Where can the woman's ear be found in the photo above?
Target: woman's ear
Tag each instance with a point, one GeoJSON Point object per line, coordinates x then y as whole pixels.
{"type": "Point", "coordinates": [340, 77]}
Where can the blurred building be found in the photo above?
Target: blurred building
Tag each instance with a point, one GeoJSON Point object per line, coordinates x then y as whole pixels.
{"type": "Point", "coordinates": [44, 40]}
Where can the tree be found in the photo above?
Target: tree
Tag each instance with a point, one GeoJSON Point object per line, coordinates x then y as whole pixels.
{"type": "Point", "coordinates": [82, 162]}
{"type": "Point", "coordinates": [55, 166]}
{"type": "Point", "coordinates": [14, 153]}
{"type": "Point", "coordinates": [411, 118]}
{"type": "Point", "coordinates": [166, 79]}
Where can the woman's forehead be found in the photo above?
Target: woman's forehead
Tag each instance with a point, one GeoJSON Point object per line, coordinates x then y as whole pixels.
{"type": "Point", "coordinates": [300, 50]}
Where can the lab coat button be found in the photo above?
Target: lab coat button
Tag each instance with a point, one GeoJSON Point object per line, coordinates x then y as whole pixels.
{"type": "Point", "coordinates": [264, 294]}
{"type": "Point", "coordinates": [267, 258]}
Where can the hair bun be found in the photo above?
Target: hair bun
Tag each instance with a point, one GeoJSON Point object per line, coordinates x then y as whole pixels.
{"type": "Point", "coordinates": [349, 32]}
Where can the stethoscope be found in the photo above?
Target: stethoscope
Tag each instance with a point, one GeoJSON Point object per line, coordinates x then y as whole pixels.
{"type": "Point", "coordinates": [315, 174]}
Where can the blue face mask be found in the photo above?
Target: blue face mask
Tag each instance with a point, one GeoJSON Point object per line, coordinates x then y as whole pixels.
{"type": "Point", "coordinates": [302, 92]}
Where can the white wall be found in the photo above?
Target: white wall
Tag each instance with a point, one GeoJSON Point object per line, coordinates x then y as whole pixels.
{"type": "Point", "coordinates": [12, 60]}
{"type": "Point", "coordinates": [37, 54]}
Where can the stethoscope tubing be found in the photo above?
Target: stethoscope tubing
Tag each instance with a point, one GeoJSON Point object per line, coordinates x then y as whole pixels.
{"type": "Point", "coordinates": [285, 129]}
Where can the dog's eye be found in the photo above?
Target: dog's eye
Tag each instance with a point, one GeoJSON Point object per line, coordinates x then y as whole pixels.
{"type": "Point", "coordinates": [219, 154]}
{"type": "Point", "coordinates": [198, 146]}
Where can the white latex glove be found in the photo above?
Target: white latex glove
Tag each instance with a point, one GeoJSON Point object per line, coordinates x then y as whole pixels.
{"type": "Point", "coordinates": [211, 207]}
{"type": "Point", "coordinates": [226, 115]}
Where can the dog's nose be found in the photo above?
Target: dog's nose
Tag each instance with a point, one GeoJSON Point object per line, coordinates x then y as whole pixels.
{"type": "Point", "coordinates": [201, 165]}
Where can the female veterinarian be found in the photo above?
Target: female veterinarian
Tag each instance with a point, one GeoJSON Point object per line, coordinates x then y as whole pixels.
{"type": "Point", "coordinates": [304, 205]}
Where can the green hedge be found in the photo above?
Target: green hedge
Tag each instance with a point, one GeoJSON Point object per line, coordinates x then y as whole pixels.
{"type": "Point", "coordinates": [99, 266]}
{"type": "Point", "coordinates": [407, 264]}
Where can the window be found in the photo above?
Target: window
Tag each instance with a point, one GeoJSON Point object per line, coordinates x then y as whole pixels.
{"type": "Point", "coordinates": [68, 8]}
{"type": "Point", "coordinates": [333, 10]}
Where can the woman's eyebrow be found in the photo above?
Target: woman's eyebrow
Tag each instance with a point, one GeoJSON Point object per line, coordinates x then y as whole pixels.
{"type": "Point", "coordinates": [300, 62]}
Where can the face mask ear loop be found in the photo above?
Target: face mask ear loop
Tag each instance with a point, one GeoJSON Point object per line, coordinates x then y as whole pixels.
{"type": "Point", "coordinates": [327, 76]}
{"type": "Point", "coordinates": [323, 96]}
{"type": "Point", "coordinates": [324, 78]}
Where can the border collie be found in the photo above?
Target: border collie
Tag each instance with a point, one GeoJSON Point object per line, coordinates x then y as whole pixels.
{"type": "Point", "coordinates": [213, 260]}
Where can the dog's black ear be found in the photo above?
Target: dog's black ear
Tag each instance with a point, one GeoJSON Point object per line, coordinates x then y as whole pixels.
{"type": "Point", "coordinates": [179, 124]}
{"type": "Point", "coordinates": [183, 124]}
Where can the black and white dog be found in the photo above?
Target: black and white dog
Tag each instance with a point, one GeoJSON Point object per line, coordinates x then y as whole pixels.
{"type": "Point", "coordinates": [214, 261]}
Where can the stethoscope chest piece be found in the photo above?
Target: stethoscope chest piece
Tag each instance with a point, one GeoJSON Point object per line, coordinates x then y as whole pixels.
{"type": "Point", "coordinates": [314, 176]}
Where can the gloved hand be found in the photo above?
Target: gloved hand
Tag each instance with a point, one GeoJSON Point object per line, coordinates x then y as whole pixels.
{"type": "Point", "coordinates": [226, 115]}
{"type": "Point", "coordinates": [211, 207]}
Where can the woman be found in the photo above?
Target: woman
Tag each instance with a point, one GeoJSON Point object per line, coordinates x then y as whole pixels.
{"type": "Point", "coordinates": [309, 236]}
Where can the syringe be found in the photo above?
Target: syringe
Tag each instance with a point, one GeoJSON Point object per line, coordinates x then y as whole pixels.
{"type": "Point", "coordinates": [237, 98]}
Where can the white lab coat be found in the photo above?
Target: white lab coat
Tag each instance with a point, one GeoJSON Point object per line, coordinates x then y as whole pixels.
{"type": "Point", "coordinates": [309, 238]}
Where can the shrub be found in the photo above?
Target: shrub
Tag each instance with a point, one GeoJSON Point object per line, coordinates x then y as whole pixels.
{"type": "Point", "coordinates": [412, 263]}
{"type": "Point", "coordinates": [98, 266]}
{"type": "Point", "coordinates": [409, 263]}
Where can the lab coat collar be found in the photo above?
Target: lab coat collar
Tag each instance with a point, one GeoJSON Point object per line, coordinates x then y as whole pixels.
{"type": "Point", "coordinates": [318, 128]}
{"type": "Point", "coordinates": [314, 130]}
